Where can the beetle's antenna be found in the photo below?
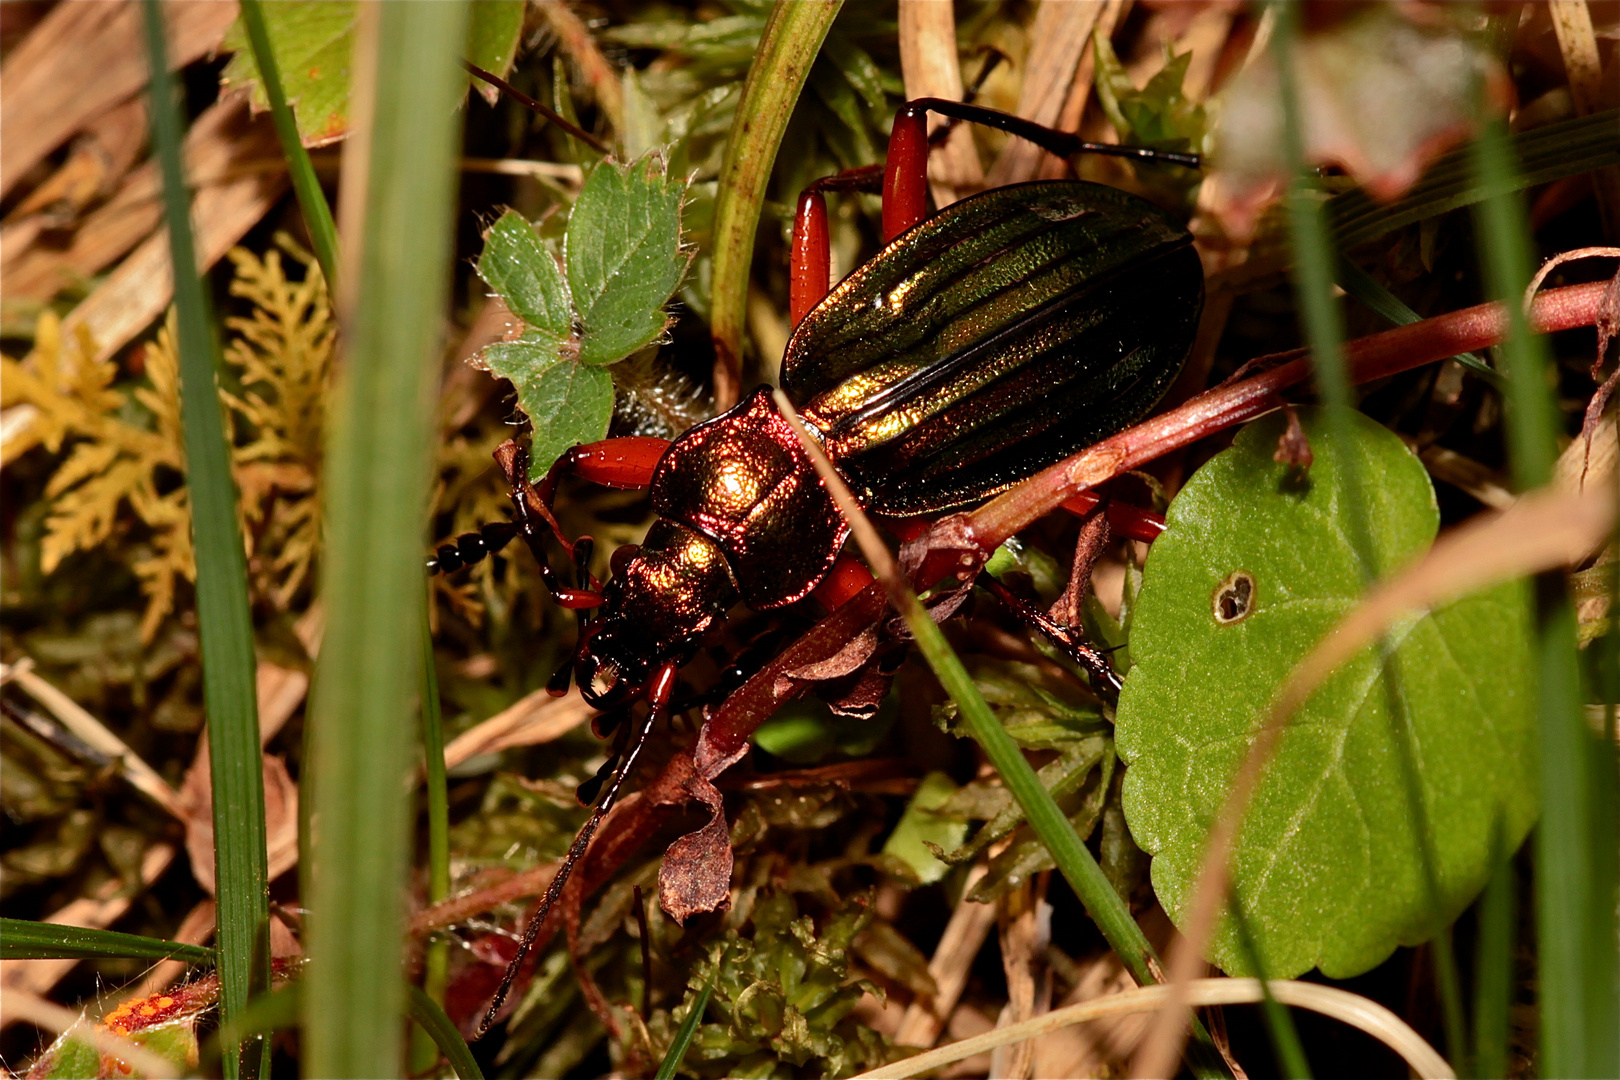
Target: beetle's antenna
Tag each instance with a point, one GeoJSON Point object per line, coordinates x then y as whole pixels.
{"type": "Point", "coordinates": [993, 58]}
{"type": "Point", "coordinates": [1061, 143]}
{"type": "Point", "coordinates": [663, 681]}
{"type": "Point", "coordinates": [544, 110]}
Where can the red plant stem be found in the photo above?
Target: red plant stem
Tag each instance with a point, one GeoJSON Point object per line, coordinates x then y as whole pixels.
{"type": "Point", "coordinates": [726, 733]}
{"type": "Point", "coordinates": [1369, 358]}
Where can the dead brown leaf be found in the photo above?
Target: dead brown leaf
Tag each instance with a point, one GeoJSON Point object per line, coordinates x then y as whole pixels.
{"type": "Point", "coordinates": [81, 61]}
{"type": "Point", "coordinates": [1357, 81]}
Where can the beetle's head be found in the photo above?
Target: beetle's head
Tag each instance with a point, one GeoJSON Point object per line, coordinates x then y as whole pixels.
{"type": "Point", "coordinates": [613, 663]}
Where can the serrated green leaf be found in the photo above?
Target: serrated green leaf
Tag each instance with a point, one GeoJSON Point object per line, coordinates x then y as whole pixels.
{"type": "Point", "coordinates": [645, 129]}
{"type": "Point", "coordinates": [922, 825]}
{"type": "Point", "coordinates": [1328, 863]}
{"type": "Point", "coordinates": [493, 30]}
{"type": "Point", "coordinates": [1159, 114]}
{"type": "Point", "coordinates": [314, 41]}
{"type": "Point", "coordinates": [314, 44]}
{"type": "Point", "coordinates": [517, 265]}
{"type": "Point", "coordinates": [566, 403]}
{"type": "Point", "coordinates": [624, 258]}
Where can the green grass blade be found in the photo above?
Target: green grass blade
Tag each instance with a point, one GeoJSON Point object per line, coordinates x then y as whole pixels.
{"type": "Point", "coordinates": [1361, 287]}
{"type": "Point", "coordinates": [1493, 970]}
{"type": "Point", "coordinates": [1314, 266]}
{"type": "Point", "coordinates": [426, 1012]}
{"type": "Point", "coordinates": [306, 186]}
{"type": "Point", "coordinates": [436, 955]}
{"type": "Point", "coordinates": [792, 37]}
{"type": "Point", "coordinates": [1073, 860]}
{"type": "Point", "coordinates": [23, 939]}
{"type": "Point", "coordinates": [683, 1034]}
{"type": "Point", "coordinates": [1575, 887]}
{"type": "Point", "coordinates": [224, 623]}
{"type": "Point", "coordinates": [1547, 153]}
{"type": "Point", "coordinates": [399, 186]}
{"type": "Point", "coordinates": [1279, 1023]}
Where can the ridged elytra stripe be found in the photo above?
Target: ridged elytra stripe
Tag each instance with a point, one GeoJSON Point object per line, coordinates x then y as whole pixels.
{"type": "Point", "coordinates": [999, 336]}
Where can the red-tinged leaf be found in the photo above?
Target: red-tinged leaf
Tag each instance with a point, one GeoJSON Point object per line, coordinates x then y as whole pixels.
{"type": "Point", "coordinates": [696, 875]}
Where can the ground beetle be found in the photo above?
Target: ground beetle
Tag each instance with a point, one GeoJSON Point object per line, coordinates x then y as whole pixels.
{"type": "Point", "coordinates": [1003, 334]}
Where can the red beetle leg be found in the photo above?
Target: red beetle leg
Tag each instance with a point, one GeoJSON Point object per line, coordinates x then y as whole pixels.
{"type": "Point", "coordinates": [1123, 518]}
{"type": "Point", "coordinates": [905, 173]}
{"type": "Point", "coordinates": [847, 577]}
{"type": "Point", "coordinates": [812, 256]}
{"type": "Point", "coordinates": [626, 462]}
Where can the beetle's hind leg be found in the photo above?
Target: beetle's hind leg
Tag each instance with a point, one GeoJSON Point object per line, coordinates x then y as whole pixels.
{"type": "Point", "coordinates": [1060, 626]}
{"type": "Point", "coordinates": [1070, 640]}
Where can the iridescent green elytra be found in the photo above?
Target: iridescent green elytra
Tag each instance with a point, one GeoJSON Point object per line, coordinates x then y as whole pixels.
{"type": "Point", "coordinates": [1005, 333]}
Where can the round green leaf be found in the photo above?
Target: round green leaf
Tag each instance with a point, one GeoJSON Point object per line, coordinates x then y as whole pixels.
{"type": "Point", "coordinates": [1257, 564]}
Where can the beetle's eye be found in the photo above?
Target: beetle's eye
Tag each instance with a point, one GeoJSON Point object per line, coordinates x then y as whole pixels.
{"type": "Point", "coordinates": [623, 555]}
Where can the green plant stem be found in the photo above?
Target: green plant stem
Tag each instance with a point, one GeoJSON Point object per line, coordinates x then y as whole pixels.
{"type": "Point", "coordinates": [306, 186]}
{"type": "Point", "coordinates": [1575, 882]}
{"type": "Point", "coordinates": [792, 37]}
{"type": "Point", "coordinates": [225, 625]}
{"type": "Point", "coordinates": [397, 197]}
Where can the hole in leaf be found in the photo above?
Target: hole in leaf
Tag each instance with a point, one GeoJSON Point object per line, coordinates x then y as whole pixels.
{"type": "Point", "coordinates": [1234, 598]}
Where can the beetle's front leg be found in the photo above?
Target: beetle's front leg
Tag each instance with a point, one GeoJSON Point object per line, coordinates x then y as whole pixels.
{"type": "Point", "coordinates": [625, 463]}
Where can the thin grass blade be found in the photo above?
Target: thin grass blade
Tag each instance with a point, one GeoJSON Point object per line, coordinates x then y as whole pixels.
{"type": "Point", "coordinates": [793, 35]}
{"type": "Point", "coordinates": [1314, 266]}
{"type": "Point", "coordinates": [225, 626]}
{"type": "Point", "coordinates": [23, 939]}
{"type": "Point", "coordinates": [683, 1034]}
{"type": "Point", "coordinates": [306, 186]}
{"type": "Point", "coordinates": [1362, 287]}
{"type": "Point", "coordinates": [396, 200]}
{"type": "Point", "coordinates": [426, 1012]}
{"type": "Point", "coordinates": [1493, 970]}
{"type": "Point", "coordinates": [1575, 888]}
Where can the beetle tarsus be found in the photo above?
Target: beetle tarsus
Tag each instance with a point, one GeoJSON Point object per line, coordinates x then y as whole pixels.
{"type": "Point", "coordinates": [1070, 640]}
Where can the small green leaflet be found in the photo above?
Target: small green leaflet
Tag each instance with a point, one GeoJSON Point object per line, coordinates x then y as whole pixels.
{"type": "Point", "coordinates": [624, 259]}
{"type": "Point", "coordinates": [622, 262]}
{"type": "Point", "coordinates": [314, 45]}
{"type": "Point", "coordinates": [922, 825]}
{"type": "Point", "coordinates": [1327, 865]}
